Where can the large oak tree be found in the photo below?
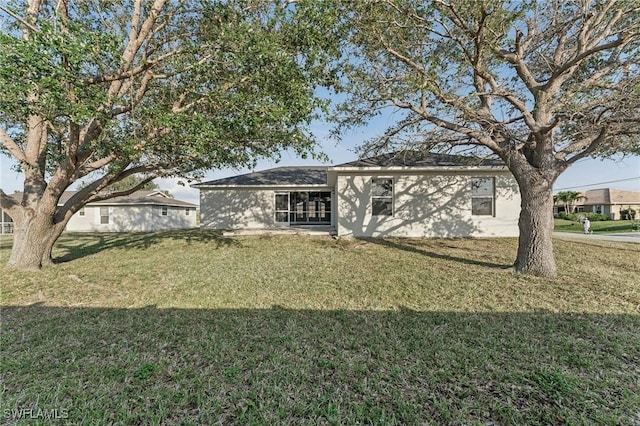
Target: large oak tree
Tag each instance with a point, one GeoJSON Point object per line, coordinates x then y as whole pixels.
{"type": "Point", "coordinates": [98, 91]}
{"type": "Point", "coordinates": [541, 84]}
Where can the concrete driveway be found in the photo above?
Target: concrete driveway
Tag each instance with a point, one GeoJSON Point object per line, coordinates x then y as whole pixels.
{"type": "Point", "coordinates": [625, 237]}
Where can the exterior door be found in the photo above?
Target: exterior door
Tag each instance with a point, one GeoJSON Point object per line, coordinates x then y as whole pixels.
{"type": "Point", "coordinates": [303, 207]}
{"type": "Point", "coordinates": [282, 209]}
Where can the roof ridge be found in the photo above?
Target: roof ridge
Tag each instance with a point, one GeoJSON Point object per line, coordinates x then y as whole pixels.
{"type": "Point", "coordinates": [417, 158]}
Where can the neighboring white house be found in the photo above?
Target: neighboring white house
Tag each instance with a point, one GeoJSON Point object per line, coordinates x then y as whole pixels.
{"type": "Point", "coordinates": [140, 211]}
{"type": "Point", "coordinates": [405, 194]}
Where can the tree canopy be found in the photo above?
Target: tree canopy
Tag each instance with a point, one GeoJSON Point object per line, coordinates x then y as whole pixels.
{"type": "Point", "coordinates": [102, 90]}
{"type": "Point", "coordinates": [492, 73]}
{"type": "Point", "coordinates": [568, 198]}
{"type": "Point", "coordinates": [162, 87]}
{"type": "Point", "coordinates": [541, 84]}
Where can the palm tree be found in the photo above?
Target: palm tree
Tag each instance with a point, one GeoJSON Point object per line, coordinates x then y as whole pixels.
{"type": "Point", "coordinates": [568, 198]}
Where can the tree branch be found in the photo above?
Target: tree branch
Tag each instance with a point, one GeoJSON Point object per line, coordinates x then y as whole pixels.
{"type": "Point", "coordinates": [591, 146]}
{"type": "Point", "coordinates": [448, 125]}
{"type": "Point", "coordinates": [12, 146]}
{"type": "Point", "coordinates": [93, 166]}
{"type": "Point", "coordinates": [137, 36]}
{"type": "Point", "coordinates": [18, 18]}
{"type": "Point", "coordinates": [90, 193]}
{"type": "Point", "coordinates": [122, 193]}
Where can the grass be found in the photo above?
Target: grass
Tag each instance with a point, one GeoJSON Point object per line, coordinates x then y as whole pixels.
{"type": "Point", "coordinates": [196, 328]}
{"type": "Point", "coordinates": [598, 227]}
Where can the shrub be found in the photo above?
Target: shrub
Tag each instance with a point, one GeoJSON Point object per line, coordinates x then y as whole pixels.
{"type": "Point", "coordinates": [628, 214]}
{"type": "Point", "coordinates": [578, 217]}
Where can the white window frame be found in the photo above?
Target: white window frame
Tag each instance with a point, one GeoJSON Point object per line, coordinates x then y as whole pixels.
{"type": "Point", "coordinates": [82, 212]}
{"type": "Point", "coordinates": [276, 210]}
{"type": "Point", "coordinates": [387, 198]}
{"type": "Point", "coordinates": [164, 211]}
{"type": "Point", "coordinates": [107, 215]}
{"type": "Point", "coordinates": [484, 197]}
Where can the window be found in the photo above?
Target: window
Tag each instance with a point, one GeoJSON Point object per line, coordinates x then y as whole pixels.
{"type": "Point", "coordinates": [81, 212]}
{"type": "Point", "coordinates": [382, 197]}
{"type": "Point", "coordinates": [482, 196]}
{"type": "Point", "coordinates": [163, 210]}
{"type": "Point", "coordinates": [282, 208]}
{"type": "Point", "coordinates": [104, 215]}
{"type": "Point", "coordinates": [186, 211]}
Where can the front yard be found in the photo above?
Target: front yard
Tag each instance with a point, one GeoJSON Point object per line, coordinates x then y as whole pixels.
{"type": "Point", "coordinates": [195, 328]}
{"type": "Point", "coordinates": [598, 227]}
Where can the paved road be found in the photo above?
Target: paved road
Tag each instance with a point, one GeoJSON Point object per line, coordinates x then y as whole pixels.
{"type": "Point", "coordinates": [625, 237]}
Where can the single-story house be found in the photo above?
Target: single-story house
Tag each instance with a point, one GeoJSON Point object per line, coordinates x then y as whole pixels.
{"type": "Point", "coordinates": [607, 201]}
{"type": "Point", "coordinates": [140, 211]}
{"type": "Point", "coordinates": [408, 194]}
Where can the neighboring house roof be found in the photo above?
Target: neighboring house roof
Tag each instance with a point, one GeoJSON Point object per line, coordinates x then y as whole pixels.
{"type": "Point", "coordinates": [155, 198]}
{"type": "Point", "coordinates": [279, 176]}
{"type": "Point", "coordinates": [423, 159]}
{"type": "Point", "coordinates": [610, 196]}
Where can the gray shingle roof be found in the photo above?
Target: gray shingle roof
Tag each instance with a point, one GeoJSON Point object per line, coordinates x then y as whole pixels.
{"type": "Point", "coordinates": [279, 176]}
{"type": "Point", "coordinates": [307, 176]}
{"type": "Point", "coordinates": [422, 159]}
{"type": "Point", "coordinates": [138, 197]}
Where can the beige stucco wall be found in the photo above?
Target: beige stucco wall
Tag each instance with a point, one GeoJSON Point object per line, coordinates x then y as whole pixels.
{"type": "Point", "coordinates": [132, 218]}
{"type": "Point", "coordinates": [426, 205]}
{"type": "Point", "coordinates": [614, 210]}
{"type": "Point", "coordinates": [237, 208]}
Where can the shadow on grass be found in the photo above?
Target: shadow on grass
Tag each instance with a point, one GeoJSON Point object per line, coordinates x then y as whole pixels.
{"type": "Point", "coordinates": [283, 366]}
{"type": "Point", "coordinates": [407, 246]}
{"type": "Point", "coordinates": [77, 245]}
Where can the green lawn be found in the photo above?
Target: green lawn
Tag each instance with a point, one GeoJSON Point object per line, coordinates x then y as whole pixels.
{"type": "Point", "coordinates": [598, 227]}
{"type": "Point", "coordinates": [195, 328]}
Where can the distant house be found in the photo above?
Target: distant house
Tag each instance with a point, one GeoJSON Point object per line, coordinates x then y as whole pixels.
{"type": "Point", "coordinates": [607, 201]}
{"type": "Point", "coordinates": [6, 223]}
{"type": "Point", "coordinates": [405, 194]}
{"type": "Point", "coordinates": [140, 211]}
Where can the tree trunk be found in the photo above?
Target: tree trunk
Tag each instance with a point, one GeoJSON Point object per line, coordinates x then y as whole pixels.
{"type": "Point", "coordinates": [33, 238]}
{"type": "Point", "coordinates": [535, 246]}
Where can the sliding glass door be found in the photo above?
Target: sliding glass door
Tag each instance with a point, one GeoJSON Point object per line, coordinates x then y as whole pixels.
{"type": "Point", "coordinates": [304, 207]}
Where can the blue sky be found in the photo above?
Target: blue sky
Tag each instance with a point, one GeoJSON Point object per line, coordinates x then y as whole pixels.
{"type": "Point", "coordinates": [622, 173]}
